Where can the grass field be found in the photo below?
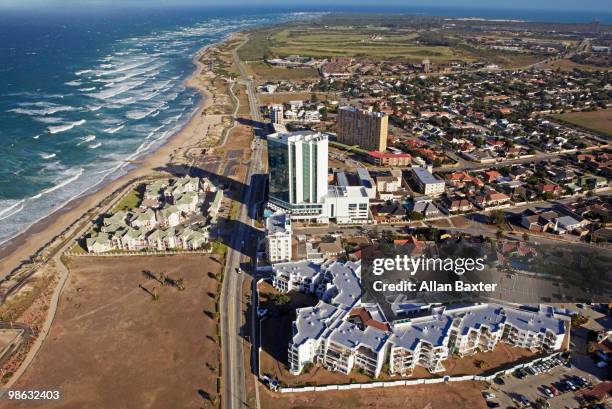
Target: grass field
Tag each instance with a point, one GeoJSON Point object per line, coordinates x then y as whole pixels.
{"type": "Point", "coordinates": [112, 345]}
{"type": "Point", "coordinates": [569, 65]}
{"type": "Point", "coordinates": [598, 121]}
{"type": "Point", "coordinates": [347, 42]}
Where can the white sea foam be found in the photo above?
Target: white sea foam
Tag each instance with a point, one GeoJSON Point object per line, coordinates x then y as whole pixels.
{"type": "Point", "coordinates": [48, 119]}
{"type": "Point", "coordinates": [95, 145]}
{"type": "Point", "coordinates": [74, 83]}
{"type": "Point", "coordinates": [82, 72]}
{"type": "Point", "coordinates": [87, 89]}
{"type": "Point", "coordinates": [85, 139]}
{"type": "Point", "coordinates": [65, 127]}
{"type": "Point", "coordinates": [116, 129]}
{"type": "Point", "coordinates": [47, 108]}
{"type": "Point", "coordinates": [124, 101]}
{"type": "Point", "coordinates": [47, 155]}
{"type": "Point", "coordinates": [123, 68]}
{"type": "Point", "coordinates": [140, 114]}
{"type": "Point", "coordinates": [60, 185]}
{"type": "Point", "coordinates": [9, 211]}
{"type": "Point", "coordinates": [114, 91]}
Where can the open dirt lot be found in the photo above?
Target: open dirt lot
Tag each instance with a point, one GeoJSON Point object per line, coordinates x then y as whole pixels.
{"type": "Point", "coordinates": [459, 395]}
{"type": "Point", "coordinates": [113, 346]}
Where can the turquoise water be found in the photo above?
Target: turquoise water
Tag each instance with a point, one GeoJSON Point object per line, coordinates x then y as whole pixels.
{"type": "Point", "coordinates": [82, 96]}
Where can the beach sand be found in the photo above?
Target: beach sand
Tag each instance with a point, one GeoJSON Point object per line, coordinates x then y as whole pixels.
{"type": "Point", "coordinates": [23, 246]}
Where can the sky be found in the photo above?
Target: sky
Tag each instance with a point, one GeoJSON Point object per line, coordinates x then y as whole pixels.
{"type": "Point", "coordinates": [553, 5]}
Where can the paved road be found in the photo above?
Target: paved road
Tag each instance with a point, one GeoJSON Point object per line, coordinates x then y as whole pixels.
{"type": "Point", "coordinates": [234, 391]}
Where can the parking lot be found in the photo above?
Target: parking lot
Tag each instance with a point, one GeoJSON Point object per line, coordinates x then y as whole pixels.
{"type": "Point", "coordinates": [549, 381]}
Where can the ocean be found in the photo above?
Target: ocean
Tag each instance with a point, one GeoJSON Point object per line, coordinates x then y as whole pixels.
{"type": "Point", "coordinates": [81, 96]}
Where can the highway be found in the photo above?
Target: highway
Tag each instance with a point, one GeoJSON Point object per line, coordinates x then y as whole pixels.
{"type": "Point", "coordinates": [233, 365]}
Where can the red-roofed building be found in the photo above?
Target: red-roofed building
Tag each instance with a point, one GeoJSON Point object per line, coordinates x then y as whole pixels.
{"type": "Point", "coordinates": [492, 176]}
{"type": "Point", "coordinates": [548, 188]}
{"type": "Point", "coordinates": [364, 317]}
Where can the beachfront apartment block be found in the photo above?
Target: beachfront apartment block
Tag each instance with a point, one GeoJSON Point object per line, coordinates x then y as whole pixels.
{"type": "Point", "coordinates": [278, 237]}
{"type": "Point", "coordinates": [361, 127]}
{"type": "Point", "coordinates": [157, 223]}
{"type": "Point", "coordinates": [426, 182]}
{"type": "Point", "coordinates": [342, 333]}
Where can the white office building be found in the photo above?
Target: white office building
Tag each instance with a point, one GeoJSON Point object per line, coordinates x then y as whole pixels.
{"type": "Point", "coordinates": [299, 186]}
{"type": "Point", "coordinates": [278, 237]}
{"type": "Point", "coordinates": [298, 173]}
{"type": "Point", "coordinates": [347, 202]}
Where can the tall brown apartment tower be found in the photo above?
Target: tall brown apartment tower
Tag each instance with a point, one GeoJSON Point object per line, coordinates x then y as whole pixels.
{"type": "Point", "coordinates": [364, 128]}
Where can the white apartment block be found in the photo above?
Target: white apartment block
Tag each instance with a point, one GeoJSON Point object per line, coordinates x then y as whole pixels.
{"type": "Point", "coordinates": [341, 333]}
{"type": "Point", "coordinates": [427, 183]}
{"type": "Point", "coordinates": [276, 113]}
{"type": "Point", "coordinates": [157, 223]}
{"type": "Point", "coordinates": [278, 237]}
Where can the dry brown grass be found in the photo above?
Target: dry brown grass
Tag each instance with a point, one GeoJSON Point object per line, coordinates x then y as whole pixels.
{"type": "Point", "coordinates": [265, 72]}
{"type": "Point", "coordinates": [598, 121]}
{"type": "Point", "coordinates": [283, 97]}
{"type": "Point", "coordinates": [113, 346]}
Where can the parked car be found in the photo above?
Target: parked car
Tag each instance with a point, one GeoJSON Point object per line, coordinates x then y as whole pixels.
{"type": "Point", "coordinates": [523, 400]}
{"type": "Point", "coordinates": [499, 380]}
{"type": "Point", "coordinates": [554, 390]}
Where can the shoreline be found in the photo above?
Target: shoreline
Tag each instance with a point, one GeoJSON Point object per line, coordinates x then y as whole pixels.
{"type": "Point", "coordinates": [19, 249]}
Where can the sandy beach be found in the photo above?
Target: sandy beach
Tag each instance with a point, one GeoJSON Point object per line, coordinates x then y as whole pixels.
{"type": "Point", "coordinates": [23, 246]}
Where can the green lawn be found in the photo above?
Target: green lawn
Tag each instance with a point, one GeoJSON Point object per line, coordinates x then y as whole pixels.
{"type": "Point", "coordinates": [130, 201]}
{"type": "Point", "coordinates": [348, 148]}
